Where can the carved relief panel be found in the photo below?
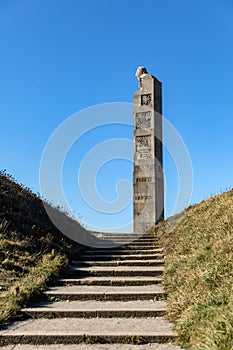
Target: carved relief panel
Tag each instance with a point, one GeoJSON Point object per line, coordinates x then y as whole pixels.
{"type": "Point", "coordinates": [143, 147]}
{"type": "Point", "coordinates": [146, 100]}
{"type": "Point", "coordinates": [143, 120]}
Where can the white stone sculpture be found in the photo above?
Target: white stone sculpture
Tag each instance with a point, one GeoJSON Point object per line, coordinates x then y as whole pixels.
{"type": "Point", "coordinates": [140, 73]}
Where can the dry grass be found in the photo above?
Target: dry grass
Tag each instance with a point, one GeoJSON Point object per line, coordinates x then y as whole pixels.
{"type": "Point", "coordinates": [199, 273]}
{"type": "Point", "coordinates": [32, 250]}
{"type": "Point", "coordinates": [20, 292]}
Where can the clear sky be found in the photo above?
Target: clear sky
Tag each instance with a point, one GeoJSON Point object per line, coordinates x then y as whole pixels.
{"type": "Point", "coordinates": [59, 57]}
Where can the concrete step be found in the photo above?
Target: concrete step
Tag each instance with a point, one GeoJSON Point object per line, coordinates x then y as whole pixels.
{"type": "Point", "coordinates": [149, 346]}
{"type": "Point", "coordinates": [118, 235]}
{"type": "Point", "coordinates": [154, 262]}
{"type": "Point", "coordinates": [92, 330]}
{"type": "Point", "coordinates": [116, 244]}
{"type": "Point", "coordinates": [150, 292]}
{"type": "Point", "coordinates": [92, 308]}
{"type": "Point", "coordinates": [123, 251]}
{"type": "Point", "coordinates": [125, 235]}
{"type": "Point", "coordinates": [128, 239]}
{"type": "Point", "coordinates": [147, 242]}
{"type": "Point", "coordinates": [124, 245]}
{"type": "Point", "coordinates": [136, 242]}
{"type": "Point", "coordinates": [111, 281]}
{"type": "Point", "coordinates": [152, 271]}
{"type": "Point", "coordinates": [104, 257]}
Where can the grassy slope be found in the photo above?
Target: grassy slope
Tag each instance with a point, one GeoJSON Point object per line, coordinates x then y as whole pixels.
{"type": "Point", "coordinates": [32, 250]}
{"type": "Point", "coordinates": [199, 262]}
{"type": "Point", "coordinates": [199, 273]}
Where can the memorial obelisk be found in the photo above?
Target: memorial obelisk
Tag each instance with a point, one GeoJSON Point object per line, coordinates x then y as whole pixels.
{"type": "Point", "coordinates": [148, 153]}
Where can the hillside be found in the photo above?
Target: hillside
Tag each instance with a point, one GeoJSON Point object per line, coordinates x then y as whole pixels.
{"type": "Point", "coordinates": [198, 253]}
{"type": "Point", "coordinates": [199, 273]}
{"type": "Point", "coordinates": [32, 250]}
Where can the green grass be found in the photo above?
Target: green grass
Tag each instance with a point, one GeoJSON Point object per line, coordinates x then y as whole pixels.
{"type": "Point", "coordinates": [199, 273]}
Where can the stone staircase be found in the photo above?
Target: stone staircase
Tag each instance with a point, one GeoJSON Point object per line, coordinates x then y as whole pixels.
{"type": "Point", "coordinates": [112, 298]}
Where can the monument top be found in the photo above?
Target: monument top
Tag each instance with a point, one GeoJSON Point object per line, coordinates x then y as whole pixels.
{"type": "Point", "coordinates": [141, 74]}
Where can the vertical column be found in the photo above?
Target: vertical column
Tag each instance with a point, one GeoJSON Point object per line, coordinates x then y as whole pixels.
{"type": "Point", "coordinates": [148, 167]}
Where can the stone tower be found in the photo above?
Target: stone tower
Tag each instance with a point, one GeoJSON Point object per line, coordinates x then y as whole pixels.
{"type": "Point", "coordinates": [148, 158]}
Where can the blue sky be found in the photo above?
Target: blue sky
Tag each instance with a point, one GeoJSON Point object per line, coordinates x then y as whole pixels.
{"type": "Point", "coordinates": [59, 57]}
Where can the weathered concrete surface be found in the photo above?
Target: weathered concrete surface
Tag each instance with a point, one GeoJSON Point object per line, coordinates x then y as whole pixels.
{"type": "Point", "coordinates": [106, 292]}
{"type": "Point", "coordinates": [92, 308]}
{"type": "Point", "coordinates": [148, 262]}
{"type": "Point", "coordinates": [117, 271]}
{"type": "Point", "coordinates": [112, 281]}
{"type": "Point", "coordinates": [98, 305]}
{"type": "Point", "coordinates": [70, 330]}
{"type": "Point", "coordinates": [100, 257]}
{"type": "Point", "coordinates": [148, 181]}
{"type": "Point", "coordinates": [125, 251]}
{"type": "Point", "coordinates": [105, 289]}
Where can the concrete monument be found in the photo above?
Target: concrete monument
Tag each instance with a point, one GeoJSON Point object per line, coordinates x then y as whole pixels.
{"type": "Point", "coordinates": [148, 160]}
